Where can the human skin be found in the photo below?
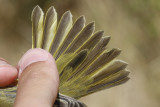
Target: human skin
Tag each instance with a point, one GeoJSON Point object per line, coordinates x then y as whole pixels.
{"type": "Point", "coordinates": [38, 79]}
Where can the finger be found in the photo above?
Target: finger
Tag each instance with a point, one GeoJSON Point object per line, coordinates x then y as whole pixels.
{"type": "Point", "coordinates": [8, 73]}
{"type": "Point", "coordinates": [38, 80]}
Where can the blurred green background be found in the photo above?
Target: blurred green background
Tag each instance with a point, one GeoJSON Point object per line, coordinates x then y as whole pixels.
{"type": "Point", "coordinates": [134, 26]}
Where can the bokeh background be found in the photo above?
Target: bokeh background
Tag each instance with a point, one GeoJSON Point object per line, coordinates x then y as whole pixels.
{"type": "Point", "coordinates": [134, 26]}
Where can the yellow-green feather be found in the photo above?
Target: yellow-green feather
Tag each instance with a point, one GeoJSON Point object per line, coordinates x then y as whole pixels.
{"type": "Point", "coordinates": [37, 27]}
{"type": "Point", "coordinates": [50, 26]}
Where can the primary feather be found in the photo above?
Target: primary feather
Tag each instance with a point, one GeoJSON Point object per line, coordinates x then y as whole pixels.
{"type": "Point", "coordinates": [84, 63]}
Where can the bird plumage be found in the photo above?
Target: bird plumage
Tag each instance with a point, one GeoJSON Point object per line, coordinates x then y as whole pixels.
{"type": "Point", "coordinates": [83, 60]}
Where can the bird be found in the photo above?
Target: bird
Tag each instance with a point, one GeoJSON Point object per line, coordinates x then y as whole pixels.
{"type": "Point", "coordinates": [84, 62]}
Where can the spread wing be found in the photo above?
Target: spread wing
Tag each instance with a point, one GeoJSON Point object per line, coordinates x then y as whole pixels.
{"type": "Point", "coordinates": [84, 62]}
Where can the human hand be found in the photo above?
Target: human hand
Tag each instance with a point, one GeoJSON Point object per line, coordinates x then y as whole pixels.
{"type": "Point", "coordinates": [38, 79]}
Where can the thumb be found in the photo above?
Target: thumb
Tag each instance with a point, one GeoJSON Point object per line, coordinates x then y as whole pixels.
{"type": "Point", "coordinates": [38, 80]}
